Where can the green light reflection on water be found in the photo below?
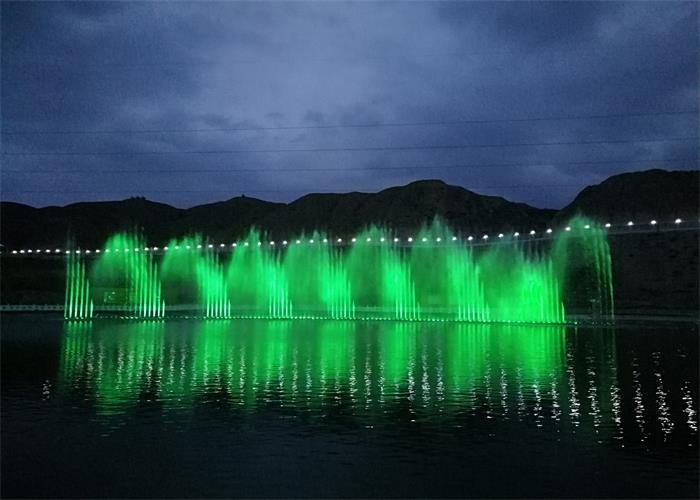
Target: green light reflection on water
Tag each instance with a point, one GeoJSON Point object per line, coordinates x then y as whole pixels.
{"type": "Point", "coordinates": [305, 364]}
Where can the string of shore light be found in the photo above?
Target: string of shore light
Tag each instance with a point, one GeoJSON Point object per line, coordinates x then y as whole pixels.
{"type": "Point", "coordinates": [475, 240]}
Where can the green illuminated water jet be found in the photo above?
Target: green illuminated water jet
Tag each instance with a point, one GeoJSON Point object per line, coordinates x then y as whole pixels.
{"type": "Point", "coordinates": [125, 274]}
{"type": "Point", "coordinates": [78, 303]}
{"type": "Point", "coordinates": [436, 277]}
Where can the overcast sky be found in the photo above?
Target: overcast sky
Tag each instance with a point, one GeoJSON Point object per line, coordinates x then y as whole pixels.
{"type": "Point", "coordinates": [189, 103]}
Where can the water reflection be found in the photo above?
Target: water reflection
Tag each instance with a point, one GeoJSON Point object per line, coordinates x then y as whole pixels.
{"type": "Point", "coordinates": [384, 372]}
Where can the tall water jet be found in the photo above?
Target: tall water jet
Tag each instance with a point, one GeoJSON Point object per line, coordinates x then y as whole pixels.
{"type": "Point", "coordinates": [436, 277]}
{"type": "Point", "coordinates": [518, 289]}
{"type": "Point", "coordinates": [380, 277]}
{"type": "Point", "coordinates": [319, 283]}
{"type": "Point", "coordinates": [213, 287]}
{"type": "Point", "coordinates": [582, 259]}
{"type": "Point", "coordinates": [450, 284]}
{"type": "Point", "coordinates": [179, 266]}
{"type": "Point", "coordinates": [130, 275]}
{"type": "Point", "coordinates": [78, 302]}
{"type": "Point", "coordinates": [256, 280]}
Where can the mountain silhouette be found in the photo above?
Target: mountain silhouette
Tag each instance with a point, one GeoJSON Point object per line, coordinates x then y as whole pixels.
{"type": "Point", "coordinates": [649, 194]}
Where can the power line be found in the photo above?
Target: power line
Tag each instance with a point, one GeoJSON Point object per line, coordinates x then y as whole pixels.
{"type": "Point", "coordinates": [407, 54]}
{"type": "Point", "coordinates": [92, 191]}
{"type": "Point", "coordinates": [357, 125]}
{"type": "Point", "coordinates": [346, 149]}
{"type": "Point", "coordinates": [366, 168]}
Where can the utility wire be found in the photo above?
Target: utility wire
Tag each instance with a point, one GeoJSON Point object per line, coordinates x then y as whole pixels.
{"type": "Point", "coordinates": [357, 125]}
{"type": "Point", "coordinates": [406, 55]}
{"type": "Point", "coordinates": [136, 193]}
{"type": "Point", "coordinates": [344, 169]}
{"type": "Point", "coordinates": [347, 149]}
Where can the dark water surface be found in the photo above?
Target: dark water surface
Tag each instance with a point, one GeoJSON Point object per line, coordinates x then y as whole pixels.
{"type": "Point", "coordinates": [329, 408]}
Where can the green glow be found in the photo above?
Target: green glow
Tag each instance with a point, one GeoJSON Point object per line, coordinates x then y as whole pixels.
{"type": "Point", "coordinates": [129, 276]}
{"type": "Point", "coordinates": [582, 260]}
{"type": "Point", "coordinates": [78, 302]}
{"type": "Point", "coordinates": [257, 282]}
{"type": "Point", "coordinates": [513, 280]}
{"type": "Point", "coordinates": [116, 367]}
{"type": "Point", "coordinates": [307, 363]}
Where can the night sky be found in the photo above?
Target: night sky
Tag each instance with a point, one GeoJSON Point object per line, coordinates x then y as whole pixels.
{"type": "Point", "coordinates": [188, 103]}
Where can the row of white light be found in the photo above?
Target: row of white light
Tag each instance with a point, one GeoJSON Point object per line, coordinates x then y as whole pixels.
{"type": "Point", "coordinates": [325, 240]}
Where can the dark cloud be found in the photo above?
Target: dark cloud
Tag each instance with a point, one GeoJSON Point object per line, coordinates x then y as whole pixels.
{"type": "Point", "coordinates": [147, 70]}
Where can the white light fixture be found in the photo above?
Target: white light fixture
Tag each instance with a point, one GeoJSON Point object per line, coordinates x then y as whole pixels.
{"type": "Point", "coordinates": [516, 234]}
{"type": "Point", "coordinates": [339, 240]}
{"type": "Point", "coordinates": [607, 225]}
{"type": "Point", "coordinates": [210, 245]}
{"type": "Point", "coordinates": [47, 251]}
{"type": "Point", "coordinates": [165, 249]}
{"type": "Point", "coordinates": [272, 243]}
{"type": "Point", "coordinates": [14, 251]}
{"type": "Point", "coordinates": [58, 250]}
{"type": "Point", "coordinates": [106, 250]}
{"type": "Point", "coordinates": [311, 241]}
{"type": "Point", "coordinates": [354, 240]}
{"type": "Point", "coordinates": [532, 232]}
{"type": "Point", "coordinates": [220, 245]}
{"type": "Point", "coordinates": [200, 246]}
{"type": "Point", "coordinates": [410, 239]}
{"type": "Point", "coordinates": [630, 223]}
{"type": "Point", "coordinates": [284, 242]}
{"type": "Point", "coordinates": [438, 239]}
{"type": "Point", "coordinates": [177, 247]}
{"type": "Point", "coordinates": [652, 222]}
{"type": "Point", "coordinates": [188, 247]}
{"type": "Point", "coordinates": [146, 249]}
{"type": "Point", "coordinates": [126, 249]}
{"type": "Point", "coordinates": [325, 240]}
{"type": "Point", "coordinates": [454, 238]}
{"type": "Point", "coordinates": [587, 226]}
{"type": "Point", "coordinates": [259, 243]}
{"type": "Point", "coordinates": [136, 249]}
{"type": "Point", "coordinates": [116, 249]}
{"type": "Point", "coordinates": [77, 251]}
{"type": "Point", "coordinates": [470, 238]}
{"type": "Point", "coordinates": [87, 251]}
{"type": "Point", "coordinates": [369, 239]}
{"type": "Point", "coordinates": [485, 237]}
{"type": "Point", "coordinates": [381, 239]}
{"type": "Point", "coordinates": [156, 248]}
{"type": "Point", "coordinates": [298, 242]}
{"type": "Point", "coordinates": [500, 235]}
{"type": "Point", "coordinates": [549, 230]}
{"type": "Point", "coordinates": [96, 251]}
{"type": "Point", "coordinates": [677, 221]}
{"type": "Point", "coordinates": [567, 228]}
{"type": "Point", "coordinates": [22, 251]}
{"type": "Point", "coordinates": [396, 240]}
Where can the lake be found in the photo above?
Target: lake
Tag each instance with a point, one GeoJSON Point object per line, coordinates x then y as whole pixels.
{"type": "Point", "coordinates": [258, 408]}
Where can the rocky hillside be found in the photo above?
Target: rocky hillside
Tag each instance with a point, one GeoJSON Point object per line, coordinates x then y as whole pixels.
{"type": "Point", "coordinates": [647, 195]}
{"type": "Point", "coordinates": [403, 208]}
{"type": "Point", "coordinates": [641, 195]}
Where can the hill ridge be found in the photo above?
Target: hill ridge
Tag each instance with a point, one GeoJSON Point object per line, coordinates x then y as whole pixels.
{"type": "Point", "coordinates": [651, 193]}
